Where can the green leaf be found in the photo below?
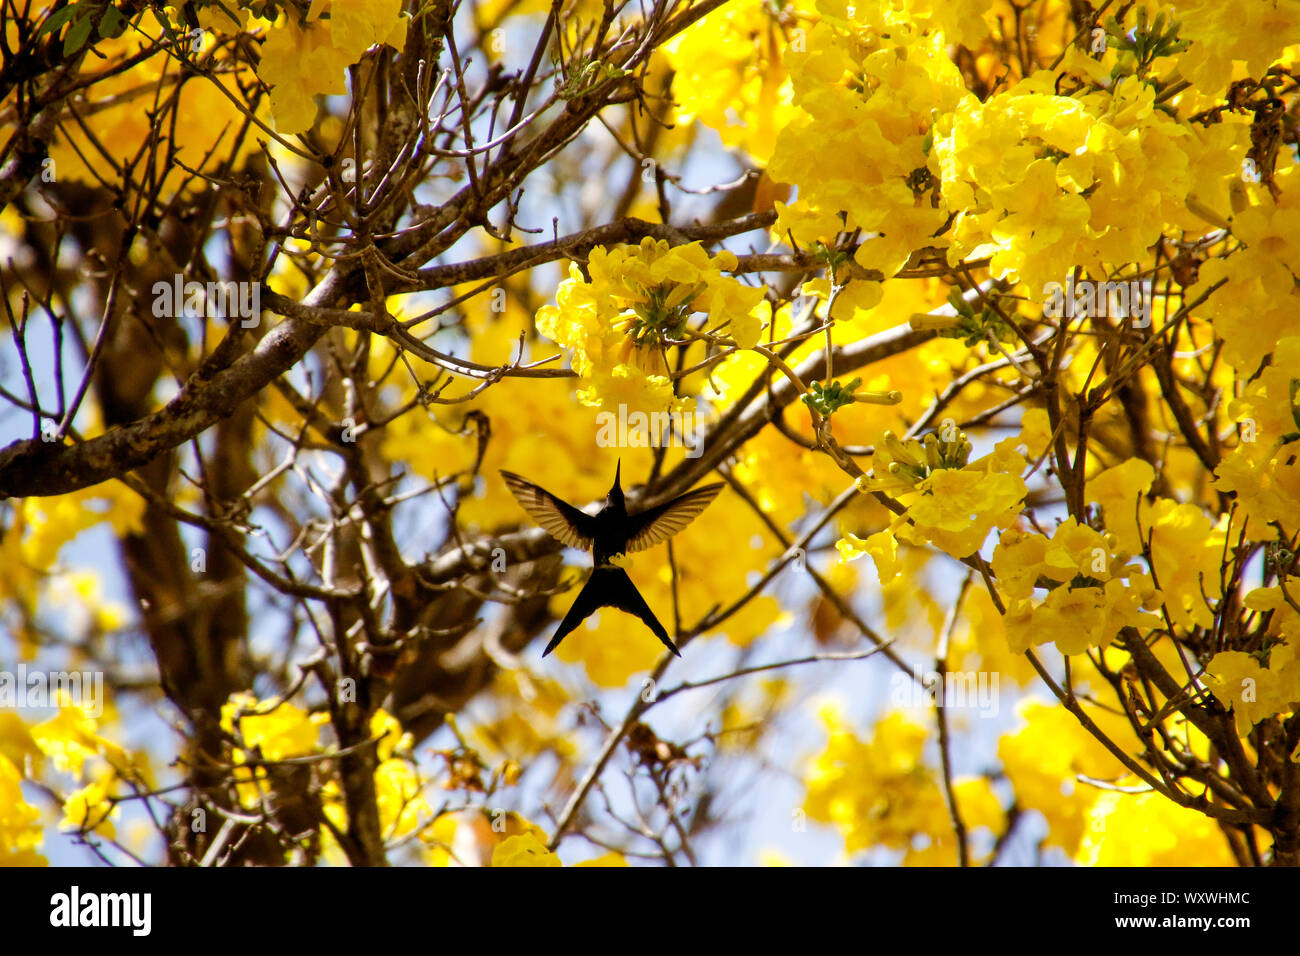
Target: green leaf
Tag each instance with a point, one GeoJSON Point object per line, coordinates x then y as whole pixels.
{"type": "Point", "coordinates": [57, 19]}
{"type": "Point", "coordinates": [76, 37]}
{"type": "Point", "coordinates": [111, 23]}
{"type": "Point", "coordinates": [168, 30]}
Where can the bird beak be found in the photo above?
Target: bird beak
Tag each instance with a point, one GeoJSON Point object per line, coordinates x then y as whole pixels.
{"type": "Point", "coordinates": [617, 470]}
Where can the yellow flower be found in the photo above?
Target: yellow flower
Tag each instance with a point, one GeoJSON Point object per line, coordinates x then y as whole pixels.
{"type": "Point", "coordinates": [620, 325]}
{"type": "Point", "coordinates": [286, 731]}
{"type": "Point", "coordinates": [524, 850]}
{"type": "Point", "coordinates": [1043, 182]}
{"type": "Point", "coordinates": [71, 737]}
{"type": "Point", "coordinates": [1254, 692]}
{"type": "Point", "coordinates": [1148, 829]}
{"type": "Point", "coordinates": [89, 810]}
{"type": "Point", "coordinates": [1257, 306]}
{"type": "Point", "coordinates": [1043, 758]}
{"type": "Point", "coordinates": [52, 522]}
{"type": "Point", "coordinates": [300, 63]}
{"type": "Point", "coordinates": [729, 73]}
{"type": "Point", "coordinates": [16, 743]}
{"type": "Point", "coordinates": [864, 155]}
{"type": "Point", "coordinates": [1264, 469]}
{"type": "Point", "coordinates": [881, 793]}
{"type": "Point", "coordinates": [1186, 550]}
{"type": "Point", "coordinates": [116, 106]}
{"type": "Point", "coordinates": [20, 827]}
{"type": "Point", "coordinates": [950, 506]}
{"type": "Point", "coordinates": [1117, 491]}
{"type": "Point", "coordinates": [883, 548]}
{"type": "Point", "coordinates": [1220, 34]}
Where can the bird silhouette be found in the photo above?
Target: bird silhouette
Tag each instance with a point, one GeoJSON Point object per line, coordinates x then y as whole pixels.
{"type": "Point", "coordinates": [609, 532]}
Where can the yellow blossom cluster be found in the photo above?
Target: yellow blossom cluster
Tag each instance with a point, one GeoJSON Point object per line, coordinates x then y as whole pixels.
{"type": "Point", "coordinates": [1148, 829]}
{"type": "Point", "coordinates": [40, 528]}
{"type": "Point", "coordinates": [1225, 38]}
{"type": "Point", "coordinates": [117, 123]}
{"type": "Point", "coordinates": [1043, 759]}
{"type": "Point", "coordinates": [729, 72]}
{"type": "Point", "coordinates": [620, 325]}
{"type": "Point", "coordinates": [1263, 470]}
{"type": "Point", "coordinates": [20, 826]}
{"type": "Point", "coordinates": [883, 793]}
{"type": "Point", "coordinates": [949, 503]}
{"type": "Point", "coordinates": [1093, 593]}
{"type": "Point", "coordinates": [281, 730]}
{"type": "Point", "coordinates": [302, 61]}
{"type": "Point", "coordinates": [1041, 182]}
{"type": "Point", "coordinates": [862, 153]}
{"type": "Point", "coordinates": [1255, 296]}
{"type": "Point", "coordinates": [71, 745]}
{"type": "Point", "coordinates": [528, 849]}
{"type": "Point", "coordinates": [1260, 685]}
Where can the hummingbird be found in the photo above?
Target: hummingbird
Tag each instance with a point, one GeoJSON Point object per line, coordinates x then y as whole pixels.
{"type": "Point", "coordinates": [609, 532]}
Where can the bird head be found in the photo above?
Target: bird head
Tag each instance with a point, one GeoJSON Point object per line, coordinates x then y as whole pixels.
{"type": "Point", "coordinates": [615, 496]}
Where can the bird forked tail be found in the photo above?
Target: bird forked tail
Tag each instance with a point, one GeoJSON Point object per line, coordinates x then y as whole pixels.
{"type": "Point", "coordinates": [609, 586]}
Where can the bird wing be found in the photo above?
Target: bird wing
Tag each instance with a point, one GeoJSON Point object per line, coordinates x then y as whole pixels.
{"type": "Point", "coordinates": [656, 525]}
{"type": "Point", "coordinates": [561, 520]}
